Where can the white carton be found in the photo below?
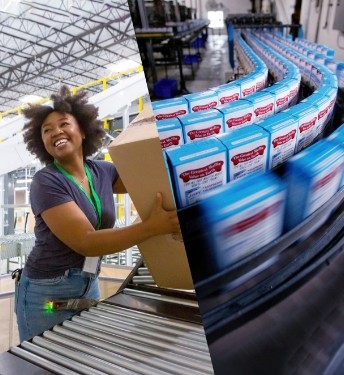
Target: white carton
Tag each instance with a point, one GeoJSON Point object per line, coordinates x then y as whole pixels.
{"type": "Point", "coordinates": [263, 105]}
{"type": "Point", "coordinates": [321, 102]}
{"type": "Point", "coordinates": [170, 108]}
{"type": "Point", "coordinates": [247, 86]}
{"type": "Point", "coordinates": [243, 216]}
{"type": "Point", "coordinates": [197, 168]}
{"type": "Point", "coordinates": [282, 129]}
{"type": "Point", "coordinates": [205, 124]}
{"type": "Point", "coordinates": [307, 117]}
{"type": "Point", "coordinates": [248, 150]}
{"type": "Point", "coordinates": [313, 177]}
{"type": "Point", "coordinates": [294, 86]}
{"type": "Point", "coordinates": [202, 101]}
{"type": "Point", "coordinates": [170, 133]}
{"type": "Point", "coordinates": [237, 115]}
{"type": "Point", "coordinates": [228, 92]}
{"type": "Point", "coordinates": [261, 77]}
{"type": "Point", "coordinates": [281, 92]}
{"type": "Point", "coordinates": [331, 93]}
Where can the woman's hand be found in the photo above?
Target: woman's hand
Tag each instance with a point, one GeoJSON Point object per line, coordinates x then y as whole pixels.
{"type": "Point", "coordinates": [71, 226]}
{"type": "Point", "coordinates": [161, 221]}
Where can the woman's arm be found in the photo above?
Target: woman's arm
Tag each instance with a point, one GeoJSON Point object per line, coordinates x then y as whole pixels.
{"type": "Point", "coordinates": [70, 225]}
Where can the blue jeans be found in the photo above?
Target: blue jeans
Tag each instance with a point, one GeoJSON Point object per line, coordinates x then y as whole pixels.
{"type": "Point", "coordinates": [32, 295]}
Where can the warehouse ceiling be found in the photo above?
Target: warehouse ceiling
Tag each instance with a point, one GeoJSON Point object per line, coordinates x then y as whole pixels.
{"type": "Point", "coordinates": [47, 43]}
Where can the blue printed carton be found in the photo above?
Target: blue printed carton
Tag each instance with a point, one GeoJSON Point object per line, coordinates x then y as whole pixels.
{"type": "Point", "coordinates": [260, 76]}
{"type": "Point", "coordinates": [331, 93]}
{"type": "Point", "coordinates": [338, 137]}
{"type": "Point", "coordinates": [282, 129]}
{"type": "Point", "coordinates": [247, 86]}
{"type": "Point", "coordinates": [243, 216]}
{"type": "Point", "coordinates": [205, 124]}
{"type": "Point", "coordinates": [313, 176]}
{"type": "Point", "coordinates": [247, 149]}
{"type": "Point", "coordinates": [294, 87]}
{"type": "Point", "coordinates": [307, 117]}
{"type": "Point", "coordinates": [170, 133]}
{"type": "Point", "coordinates": [201, 101]}
{"type": "Point", "coordinates": [263, 105]}
{"type": "Point", "coordinates": [197, 168]}
{"type": "Point", "coordinates": [281, 91]}
{"type": "Point", "coordinates": [237, 115]}
{"type": "Point", "coordinates": [170, 108]}
{"type": "Point", "coordinates": [321, 102]}
{"type": "Point", "coordinates": [228, 92]}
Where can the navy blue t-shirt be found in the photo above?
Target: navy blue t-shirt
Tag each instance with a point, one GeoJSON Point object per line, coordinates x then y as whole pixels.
{"type": "Point", "coordinates": [50, 257]}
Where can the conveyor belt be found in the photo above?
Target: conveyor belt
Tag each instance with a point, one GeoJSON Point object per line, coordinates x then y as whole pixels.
{"type": "Point", "coordinates": [140, 330]}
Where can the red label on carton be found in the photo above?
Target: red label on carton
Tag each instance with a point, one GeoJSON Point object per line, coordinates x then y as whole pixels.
{"type": "Point", "coordinates": [249, 155]}
{"type": "Point", "coordinates": [170, 141]}
{"type": "Point", "coordinates": [202, 133]}
{"type": "Point", "coordinates": [194, 174]}
{"type": "Point", "coordinates": [325, 180]}
{"type": "Point", "coordinates": [263, 110]}
{"type": "Point", "coordinates": [203, 107]}
{"type": "Point", "coordinates": [322, 113]}
{"type": "Point", "coordinates": [252, 220]}
{"type": "Point", "coordinates": [282, 101]}
{"type": "Point", "coordinates": [239, 120]}
{"type": "Point", "coordinates": [248, 91]}
{"type": "Point", "coordinates": [284, 138]}
{"type": "Point", "coordinates": [230, 98]}
{"type": "Point", "coordinates": [308, 125]}
{"type": "Point", "coordinates": [164, 116]}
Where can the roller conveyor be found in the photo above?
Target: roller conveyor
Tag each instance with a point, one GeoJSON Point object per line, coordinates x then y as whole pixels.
{"type": "Point", "coordinates": [140, 330]}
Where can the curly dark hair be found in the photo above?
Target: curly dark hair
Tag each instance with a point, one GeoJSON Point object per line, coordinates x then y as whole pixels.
{"type": "Point", "coordinates": [63, 102]}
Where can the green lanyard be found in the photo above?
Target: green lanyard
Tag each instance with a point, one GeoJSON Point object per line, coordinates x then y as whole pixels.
{"type": "Point", "coordinates": [96, 204]}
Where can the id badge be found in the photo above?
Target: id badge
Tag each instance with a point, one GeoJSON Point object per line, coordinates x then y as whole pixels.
{"type": "Point", "coordinates": [91, 266]}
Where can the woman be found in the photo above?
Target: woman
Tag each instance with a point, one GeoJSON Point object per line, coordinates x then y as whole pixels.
{"type": "Point", "coordinates": [72, 200]}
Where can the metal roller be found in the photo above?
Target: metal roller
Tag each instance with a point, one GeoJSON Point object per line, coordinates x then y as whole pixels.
{"type": "Point", "coordinates": [144, 279]}
{"type": "Point", "coordinates": [136, 323]}
{"type": "Point", "coordinates": [154, 351]}
{"type": "Point", "coordinates": [61, 360]}
{"type": "Point", "coordinates": [42, 362]}
{"type": "Point", "coordinates": [110, 361]}
{"type": "Point", "coordinates": [143, 271]}
{"type": "Point", "coordinates": [143, 340]}
{"type": "Point", "coordinates": [128, 334]}
{"type": "Point", "coordinates": [121, 325]}
{"type": "Point", "coordinates": [156, 319]}
{"type": "Point", "coordinates": [106, 350]}
{"type": "Point", "coordinates": [160, 297]}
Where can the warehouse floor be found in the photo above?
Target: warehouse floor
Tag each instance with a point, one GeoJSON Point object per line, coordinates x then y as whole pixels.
{"type": "Point", "coordinates": [213, 70]}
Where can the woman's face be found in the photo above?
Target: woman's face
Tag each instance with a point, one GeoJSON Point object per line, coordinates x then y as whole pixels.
{"type": "Point", "coordinates": [62, 136]}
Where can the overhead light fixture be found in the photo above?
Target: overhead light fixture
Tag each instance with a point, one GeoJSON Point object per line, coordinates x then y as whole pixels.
{"type": "Point", "coordinates": [122, 65]}
{"type": "Point", "coordinates": [30, 99]}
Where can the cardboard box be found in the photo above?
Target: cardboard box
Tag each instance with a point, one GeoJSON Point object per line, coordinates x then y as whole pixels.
{"type": "Point", "coordinates": [138, 157]}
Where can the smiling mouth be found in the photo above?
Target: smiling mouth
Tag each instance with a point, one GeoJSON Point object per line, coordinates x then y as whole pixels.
{"type": "Point", "coordinates": [60, 142]}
